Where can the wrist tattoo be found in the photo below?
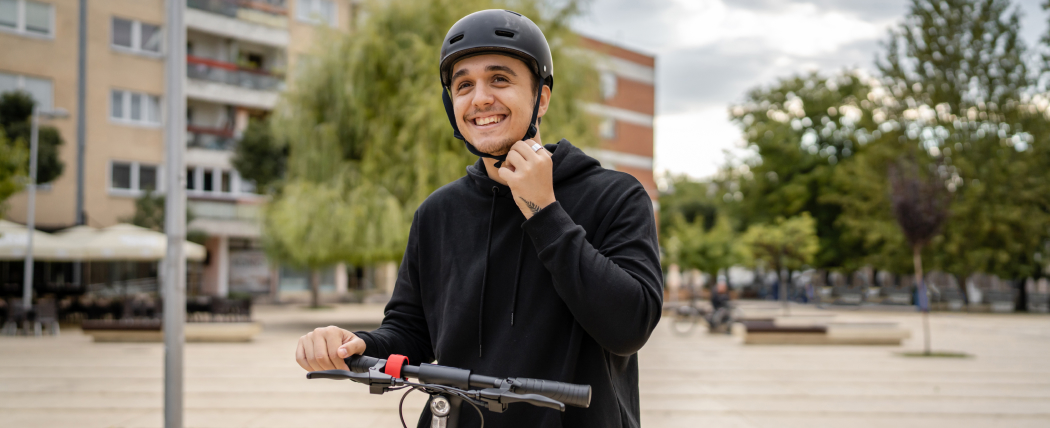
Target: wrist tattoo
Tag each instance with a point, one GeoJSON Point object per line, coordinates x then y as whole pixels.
{"type": "Point", "coordinates": [532, 206]}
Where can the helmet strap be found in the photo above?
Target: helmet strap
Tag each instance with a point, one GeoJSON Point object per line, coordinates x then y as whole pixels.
{"type": "Point", "coordinates": [531, 132]}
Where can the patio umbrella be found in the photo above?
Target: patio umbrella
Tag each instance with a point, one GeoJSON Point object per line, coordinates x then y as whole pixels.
{"type": "Point", "coordinates": [128, 242]}
{"type": "Point", "coordinates": [46, 247]}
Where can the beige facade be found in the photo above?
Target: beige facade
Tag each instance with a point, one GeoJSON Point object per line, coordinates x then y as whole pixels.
{"type": "Point", "coordinates": [238, 56]}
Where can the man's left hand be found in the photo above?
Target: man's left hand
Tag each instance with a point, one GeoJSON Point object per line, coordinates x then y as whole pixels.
{"type": "Point", "coordinates": [530, 176]}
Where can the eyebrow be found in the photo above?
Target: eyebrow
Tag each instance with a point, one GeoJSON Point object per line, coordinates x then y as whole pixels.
{"type": "Point", "coordinates": [495, 67]}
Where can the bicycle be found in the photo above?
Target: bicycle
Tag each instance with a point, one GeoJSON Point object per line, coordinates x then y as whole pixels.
{"type": "Point", "coordinates": [686, 317]}
{"type": "Point", "coordinates": [450, 387]}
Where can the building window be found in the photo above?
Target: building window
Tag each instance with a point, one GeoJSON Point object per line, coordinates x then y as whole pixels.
{"type": "Point", "coordinates": [27, 17]}
{"type": "Point", "coordinates": [608, 82]}
{"type": "Point", "coordinates": [607, 129]}
{"type": "Point", "coordinates": [135, 36]}
{"type": "Point", "coordinates": [225, 184]}
{"type": "Point", "coordinates": [133, 177]}
{"type": "Point", "coordinates": [134, 107]}
{"type": "Point", "coordinates": [209, 180]}
{"type": "Point", "coordinates": [39, 89]}
{"type": "Point", "coordinates": [121, 176]}
{"type": "Point", "coordinates": [316, 11]}
{"type": "Point", "coordinates": [191, 178]}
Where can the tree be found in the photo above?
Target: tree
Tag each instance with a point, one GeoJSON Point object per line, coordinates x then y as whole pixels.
{"type": "Point", "coordinates": [784, 245]}
{"type": "Point", "coordinates": [13, 168]}
{"type": "Point", "coordinates": [364, 118]}
{"type": "Point", "coordinates": [958, 73]}
{"type": "Point", "coordinates": [15, 111]}
{"type": "Point", "coordinates": [920, 205]}
{"type": "Point", "coordinates": [692, 246]}
{"type": "Point", "coordinates": [801, 129]}
{"type": "Point", "coordinates": [260, 158]}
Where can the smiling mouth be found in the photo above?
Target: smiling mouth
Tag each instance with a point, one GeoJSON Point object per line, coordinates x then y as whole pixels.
{"type": "Point", "coordinates": [489, 120]}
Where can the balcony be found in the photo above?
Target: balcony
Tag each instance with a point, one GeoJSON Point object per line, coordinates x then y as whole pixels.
{"type": "Point", "coordinates": [273, 13]}
{"type": "Point", "coordinates": [231, 74]}
{"type": "Point", "coordinates": [226, 83]}
{"type": "Point", "coordinates": [209, 138]}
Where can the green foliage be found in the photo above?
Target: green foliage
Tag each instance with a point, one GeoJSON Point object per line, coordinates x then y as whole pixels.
{"type": "Point", "coordinates": [259, 157]}
{"type": "Point", "coordinates": [784, 244]}
{"type": "Point", "coordinates": [801, 129]}
{"type": "Point", "coordinates": [690, 245]}
{"type": "Point", "coordinates": [954, 94]}
{"type": "Point", "coordinates": [364, 125]}
{"type": "Point", "coordinates": [314, 224]}
{"type": "Point", "coordinates": [13, 168]}
{"type": "Point", "coordinates": [15, 111]}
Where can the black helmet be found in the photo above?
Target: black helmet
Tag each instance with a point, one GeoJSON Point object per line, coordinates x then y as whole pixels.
{"type": "Point", "coordinates": [496, 31]}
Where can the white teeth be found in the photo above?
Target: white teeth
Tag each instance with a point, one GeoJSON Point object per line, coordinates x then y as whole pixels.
{"type": "Point", "coordinates": [487, 120]}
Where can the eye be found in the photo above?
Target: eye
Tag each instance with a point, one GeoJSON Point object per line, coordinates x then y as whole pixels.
{"type": "Point", "coordinates": [500, 79]}
{"type": "Point", "coordinates": [462, 85]}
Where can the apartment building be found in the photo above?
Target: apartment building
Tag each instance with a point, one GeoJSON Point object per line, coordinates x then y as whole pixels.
{"type": "Point", "coordinates": [238, 57]}
{"type": "Point", "coordinates": [239, 54]}
{"type": "Point", "coordinates": [628, 86]}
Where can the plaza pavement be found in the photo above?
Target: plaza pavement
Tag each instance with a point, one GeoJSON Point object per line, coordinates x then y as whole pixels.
{"type": "Point", "coordinates": [697, 380]}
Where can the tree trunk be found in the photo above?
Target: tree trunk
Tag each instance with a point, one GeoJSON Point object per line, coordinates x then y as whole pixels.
{"type": "Point", "coordinates": [922, 296]}
{"type": "Point", "coordinates": [783, 285]}
{"type": "Point", "coordinates": [315, 288]}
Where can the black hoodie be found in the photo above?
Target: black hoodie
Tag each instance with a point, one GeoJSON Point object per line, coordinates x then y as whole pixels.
{"type": "Point", "coordinates": [570, 295]}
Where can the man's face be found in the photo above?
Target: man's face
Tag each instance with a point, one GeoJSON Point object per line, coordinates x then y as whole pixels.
{"type": "Point", "coordinates": [493, 97]}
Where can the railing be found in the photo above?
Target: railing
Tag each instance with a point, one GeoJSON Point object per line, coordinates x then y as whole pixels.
{"type": "Point", "coordinates": [209, 138]}
{"type": "Point", "coordinates": [230, 74]}
{"type": "Point", "coordinates": [273, 13]}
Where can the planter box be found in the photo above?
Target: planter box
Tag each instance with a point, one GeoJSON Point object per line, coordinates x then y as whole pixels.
{"type": "Point", "coordinates": [1000, 301]}
{"type": "Point", "coordinates": [150, 331]}
{"type": "Point", "coordinates": [897, 297]}
{"type": "Point", "coordinates": [1039, 302]}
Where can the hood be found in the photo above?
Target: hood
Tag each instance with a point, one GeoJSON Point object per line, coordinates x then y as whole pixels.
{"type": "Point", "coordinates": [569, 161]}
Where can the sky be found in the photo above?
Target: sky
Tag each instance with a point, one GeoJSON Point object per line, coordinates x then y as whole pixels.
{"type": "Point", "coordinates": [709, 53]}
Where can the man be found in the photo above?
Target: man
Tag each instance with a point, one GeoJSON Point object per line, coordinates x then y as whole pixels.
{"type": "Point", "coordinates": [720, 310]}
{"type": "Point", "coordinates": [538, 263]}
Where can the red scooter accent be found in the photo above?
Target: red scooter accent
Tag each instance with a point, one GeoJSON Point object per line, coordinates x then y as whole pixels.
{"type": "Point", "coordinates": [394, 363]}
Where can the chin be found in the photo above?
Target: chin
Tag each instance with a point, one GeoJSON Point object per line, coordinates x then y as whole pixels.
{"type": "Point", "coordinates": [493, 146]}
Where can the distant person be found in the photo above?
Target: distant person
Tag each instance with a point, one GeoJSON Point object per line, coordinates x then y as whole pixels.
{"type": "Point", "coordinates": [720, 310]}
{"type": "Point", "coordinates": [537, 263]}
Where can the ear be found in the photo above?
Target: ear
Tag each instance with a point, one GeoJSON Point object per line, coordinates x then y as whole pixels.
{"type": "Point", "coordinates": [545, 100]}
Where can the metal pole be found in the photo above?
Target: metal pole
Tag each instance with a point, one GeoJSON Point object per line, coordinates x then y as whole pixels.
{"type": "Point", "coordinates": [81, 121]}
{"type": "Point", "coordinates": [174, 216]}
{"type": "Point", "coordinates": [27, 276]}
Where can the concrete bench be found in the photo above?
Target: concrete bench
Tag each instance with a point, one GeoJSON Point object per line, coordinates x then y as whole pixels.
{"type": "Point", "coordinates": [151, 331]}
{"type": "Point", "coordinates": [785, 332]}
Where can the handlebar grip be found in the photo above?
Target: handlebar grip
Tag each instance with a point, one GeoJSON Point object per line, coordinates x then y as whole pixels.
{"type": "Point", "coordinates": [360, 363]}
{"type": "Point", "coordinates": [571, 394]}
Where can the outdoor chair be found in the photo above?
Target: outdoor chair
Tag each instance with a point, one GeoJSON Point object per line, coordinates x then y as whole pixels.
{"type": "Point", "coordinates": [16, 315]}
{"type": "Point", "coordinates": [46, 314]}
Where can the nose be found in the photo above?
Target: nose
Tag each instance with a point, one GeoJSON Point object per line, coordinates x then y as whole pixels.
{"type": "Point", "coordinates": [482, 96]}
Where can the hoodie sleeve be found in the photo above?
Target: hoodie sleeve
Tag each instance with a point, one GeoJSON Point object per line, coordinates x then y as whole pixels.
{"type": "Point", "coordinates": [615, 290]}
{"type": "Point", "coordinates": [404, 328]}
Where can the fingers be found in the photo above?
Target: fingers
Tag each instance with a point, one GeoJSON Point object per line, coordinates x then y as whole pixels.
{"type": "Point", "coordinates": [320, 349]}
{"type": "Point", "coordinates": [326, 347]}
{"type": "Point", "coordinates": [308, 352]}
{"type": "Point", "coordinates": [300, 355]}
{"type": "Point", "coordinates": [334, 340]}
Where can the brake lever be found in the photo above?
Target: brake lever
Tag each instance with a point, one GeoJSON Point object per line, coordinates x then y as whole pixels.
{"type": "Point", "coordinates": [497, 399]}
{"type": "Point", "coordinates": [533, 399]}
{"type": "Point", "coordinates": [377, 381]}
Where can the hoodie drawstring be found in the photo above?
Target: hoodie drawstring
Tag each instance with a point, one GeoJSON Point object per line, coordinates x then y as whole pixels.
{"type": "Point", "coordinates": [485, 274]}
{"type": "Point", "coordinates": [517, 278]}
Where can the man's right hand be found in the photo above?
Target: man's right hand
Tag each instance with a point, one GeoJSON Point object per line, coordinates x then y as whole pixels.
{"type": "Point", "coordinates": [325, 347]}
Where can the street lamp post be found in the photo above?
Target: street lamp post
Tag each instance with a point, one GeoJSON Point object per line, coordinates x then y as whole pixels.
{"type": "Point", "coordinates": [27, 285]}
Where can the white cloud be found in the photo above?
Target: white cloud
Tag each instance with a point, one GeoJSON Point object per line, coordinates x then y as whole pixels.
{"type": "Point", "coordinates": [798, 29]}
{"type": "Point", "coordinates": [694, 143]}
